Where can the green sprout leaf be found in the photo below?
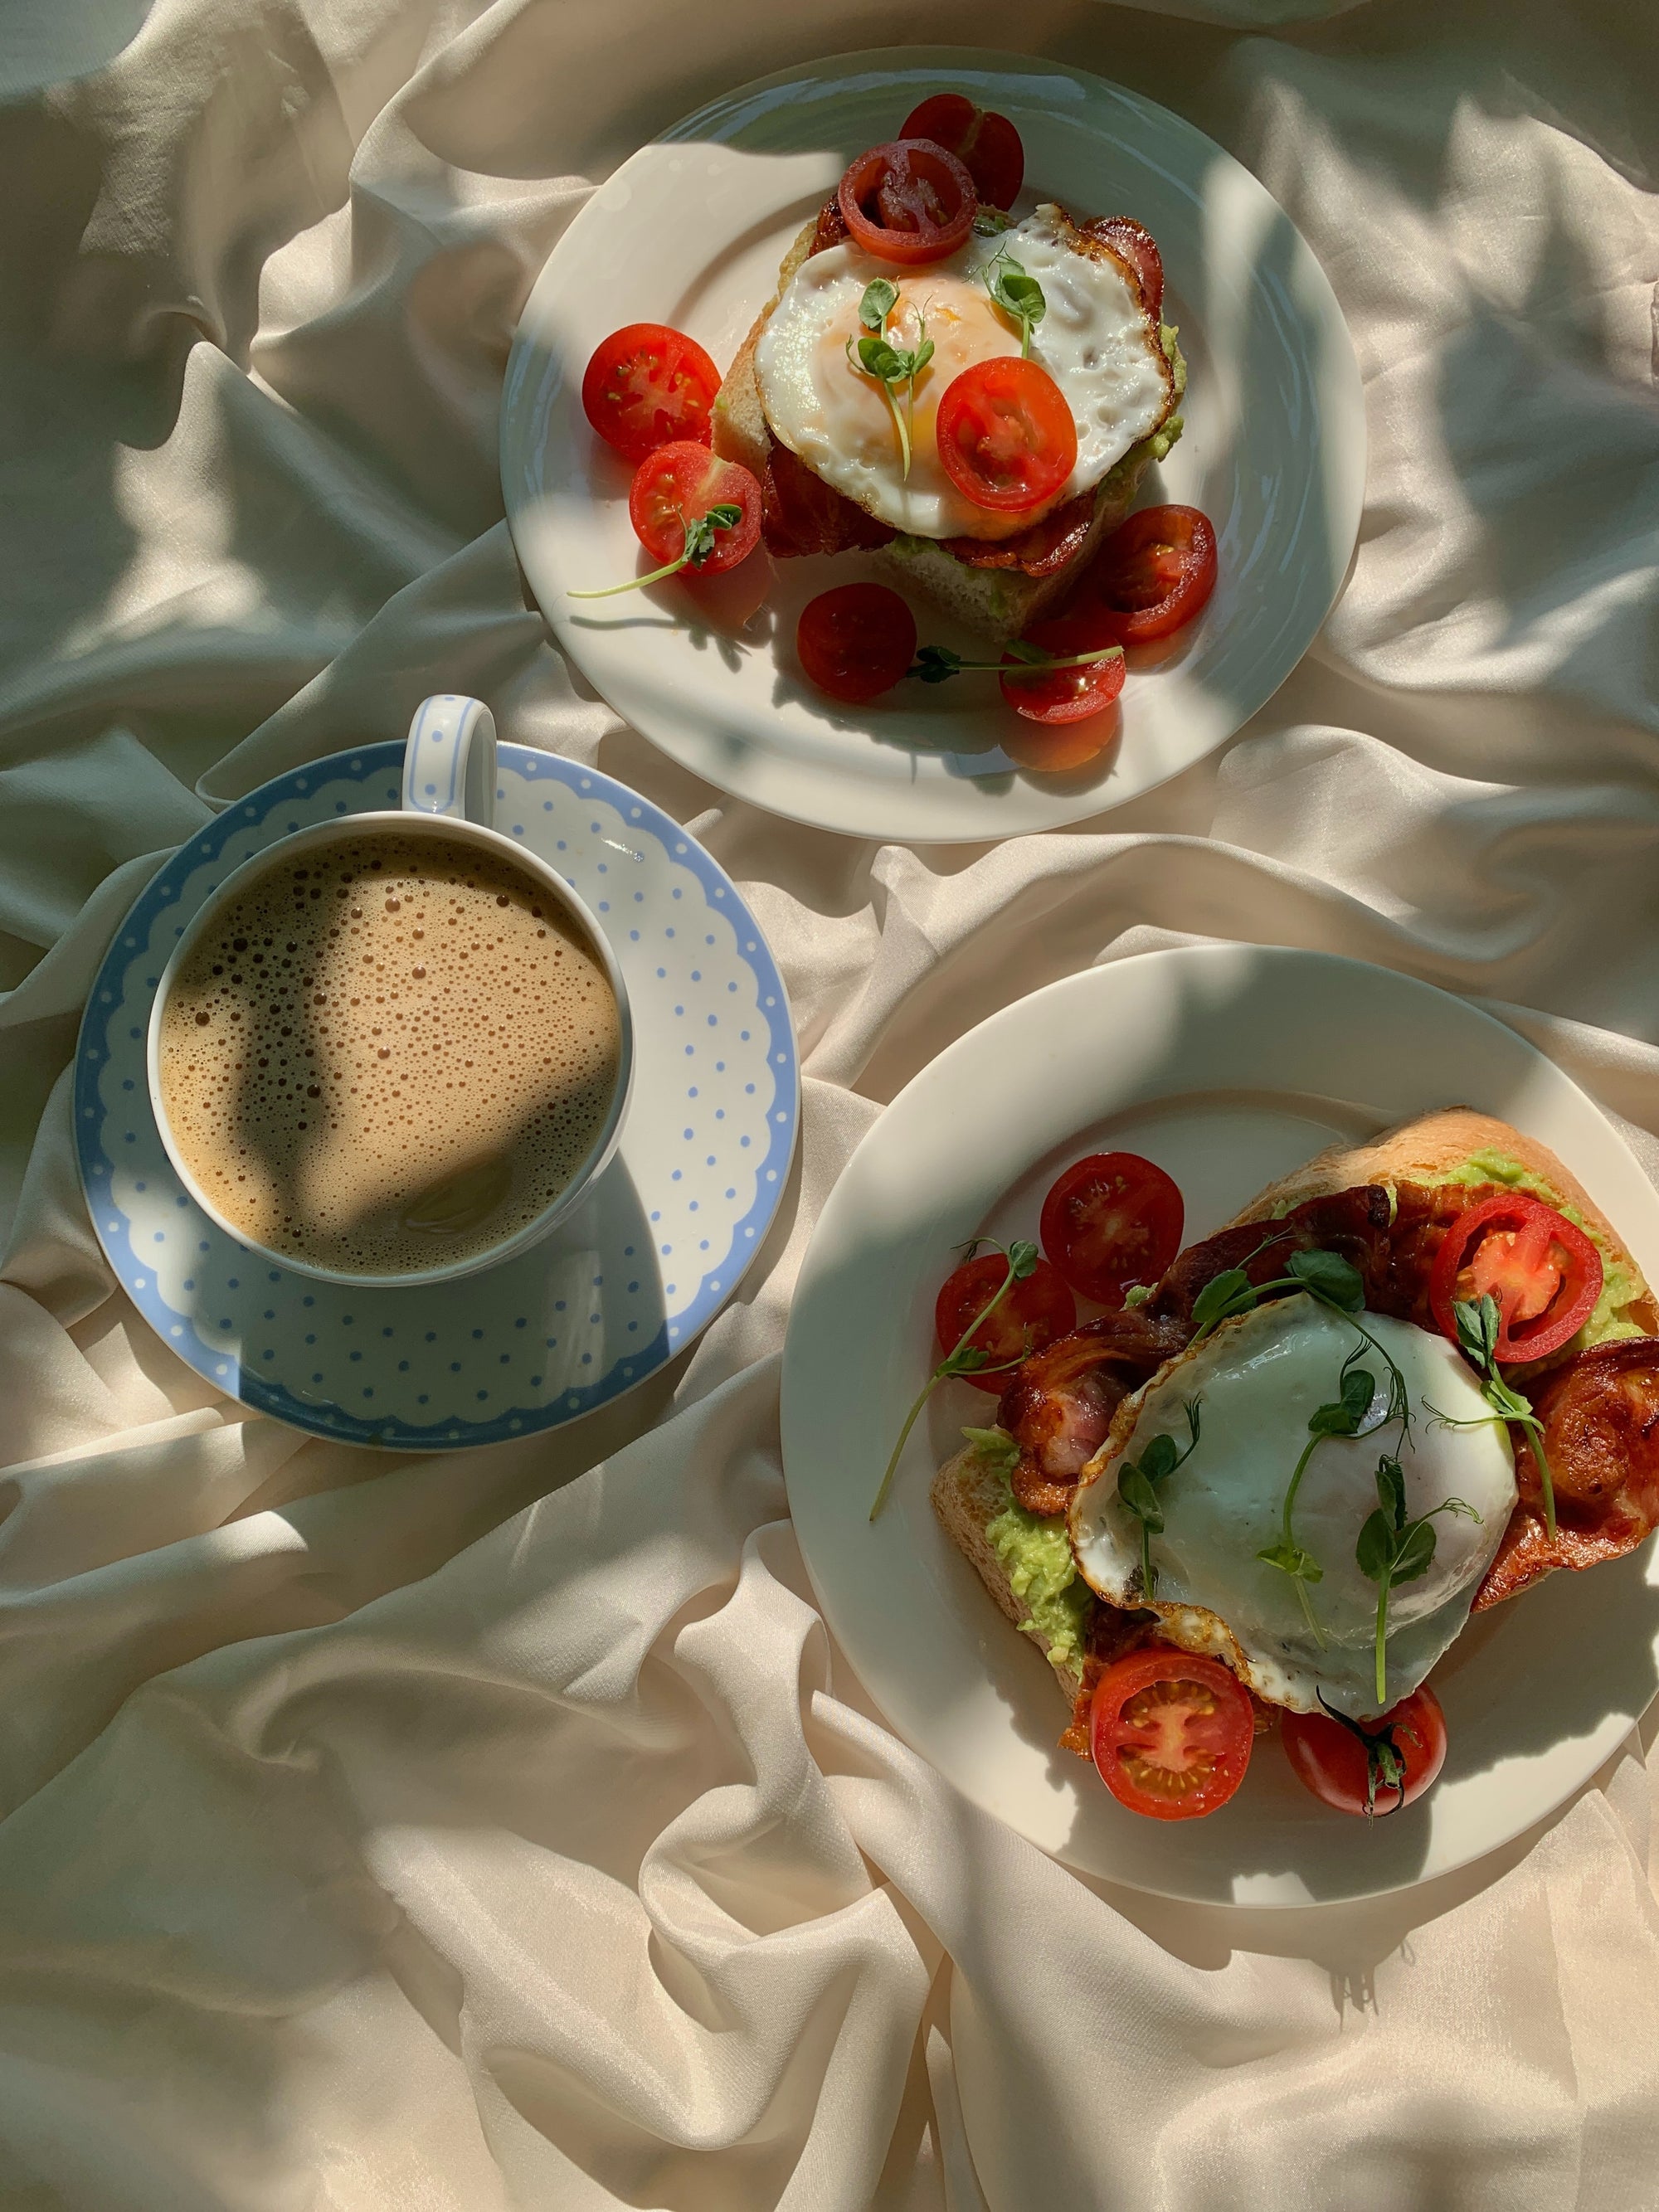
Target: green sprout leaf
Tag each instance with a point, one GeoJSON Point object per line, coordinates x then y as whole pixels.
{"type": "Point", "coordinates": [1330, 1277]}
{"type": "Point", "coordinates": [1224, 1294]}
{"type": "Point", "coordinates": [1478, 1325]}
{"type": "Point", "coordinates": [995, 1447]}
{"type": "Point", "coordinates": [880, 298]}
{"type": "Point", "coordinates": [1019, 296]}
{"type": "Point", "coordinates": [1392, 1549]}
{"type": "Point", "coordinates": [1137, 1488]}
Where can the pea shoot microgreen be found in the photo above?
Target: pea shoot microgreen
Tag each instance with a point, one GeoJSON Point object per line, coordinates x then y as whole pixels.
{"type": "Point", "coordinates": [1393, 1549]}
{"type": "Point", "coordinates": [699, 544]}
{"type": "Point", "coordinates": [1337, 1285]}
{"type": "Point", "coordinates": [1137, 1488]}
{"type": "Point", "coordinates": [936, 663]}
{"type": "Point", "coordinates": [890, 365]}
{"type": "Point", "coordinates": [1478, 1324]}
{"type": "Point", "coordinates": [995, 1447]}
{"type": "Point", "coordinates": [1017, 294]}
{"type": "Point", "coordinates": [1345, 1416]}
{"type": "Point", "coordinates": [966, 1356]}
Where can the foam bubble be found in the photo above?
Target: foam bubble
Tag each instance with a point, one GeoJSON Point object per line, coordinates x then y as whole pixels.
{"type": "Point", "coordinates": [389, 1052]}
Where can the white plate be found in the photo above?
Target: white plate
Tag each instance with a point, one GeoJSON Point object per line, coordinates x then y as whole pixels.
{"type": "Point", "coordinates": [691, 230]}
{"type": "Point", "coordinates": [618, 1289]}
{"type": "Point", "coordinates": [1228, 1067]}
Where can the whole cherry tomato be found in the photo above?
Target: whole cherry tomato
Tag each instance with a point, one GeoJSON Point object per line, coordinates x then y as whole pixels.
{"type": "Point", "coordinates": [1370, 1766]}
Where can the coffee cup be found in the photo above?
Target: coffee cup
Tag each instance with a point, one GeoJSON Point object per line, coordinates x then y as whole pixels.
{"type": "Point", "coordinates": [393, 1047]}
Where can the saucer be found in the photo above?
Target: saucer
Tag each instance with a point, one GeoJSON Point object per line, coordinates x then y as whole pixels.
{"type": "Point", "coordinates": [618, 1289]}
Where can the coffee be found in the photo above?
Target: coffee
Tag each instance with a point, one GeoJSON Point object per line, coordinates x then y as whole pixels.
{"type": "Point", "coordinates": [388, 1052]}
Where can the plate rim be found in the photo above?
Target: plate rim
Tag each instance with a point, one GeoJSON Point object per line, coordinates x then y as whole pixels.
{"type": "Point", "coordinates": [1216, 956]}
{"type": "Point", "coordinates": [1340, 480]}
{"type": "Point", "coordinates": [359, 764]}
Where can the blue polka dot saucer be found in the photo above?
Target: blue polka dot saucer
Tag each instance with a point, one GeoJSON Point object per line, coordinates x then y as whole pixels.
{"type": "Point", "coordinates": [613, 1292]}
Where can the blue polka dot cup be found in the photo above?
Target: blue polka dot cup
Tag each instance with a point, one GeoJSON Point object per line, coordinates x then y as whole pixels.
{"type": "Point", "coordinates": [449, 793]}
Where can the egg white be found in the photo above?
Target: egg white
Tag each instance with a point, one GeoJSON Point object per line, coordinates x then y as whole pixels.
{"type": "Point", "coordinates": [1095, 339]}
{"type": "Point", "coordinates": [1257, 1380]}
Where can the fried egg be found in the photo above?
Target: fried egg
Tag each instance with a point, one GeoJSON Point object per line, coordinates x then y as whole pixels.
{"type": "Point", "coordinates": [1256, 1381]}
{"type": "Point", "coordinates": [1095, 338]}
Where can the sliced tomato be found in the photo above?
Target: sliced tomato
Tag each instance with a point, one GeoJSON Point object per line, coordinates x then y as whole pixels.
{"type": "Point", "coordinates": [1063, 695]}
{"type": "Point", "coordinates": [1170, 1734]}
{"type": "Point", "coordinates": [1112, 1219]}
{"type": "Point", "coordinates": [986, 144]}
{"type": "Point", "coordinates": [1037, 1309]}
{"type": "Point", "coordinates": [910, 202]}
{"type": "Point", "coordinates": [1153, 573]}
{"type": "Point", "coordinates": [1344, 1764]}
{"type": "Point", "coordinates": [1135, 245]}
{"type": "Point", "coordinates": [1545, 1275]}
{"type": "Point", "coordinates": [647, 385]}
{"type": "Point", "coordinates": [676, 486]}
{"type": "Point", "coordinates": [856, 642]}
{"type": "Point", "coordinates": [1006, 435]}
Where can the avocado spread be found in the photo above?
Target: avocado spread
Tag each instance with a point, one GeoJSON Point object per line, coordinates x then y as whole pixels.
{"type": "Point", "coordinates": [1036, 1558]}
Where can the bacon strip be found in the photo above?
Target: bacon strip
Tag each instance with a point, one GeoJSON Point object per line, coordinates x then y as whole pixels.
{"type": "Point", "coordinates": [1039, 551]}
{"type": "Point", "coordinates": [1059, 1404]}
{"type": "Point", "coordinates": [1600, 1416]}
{"type": "Point", "coordinates": [801, 514]}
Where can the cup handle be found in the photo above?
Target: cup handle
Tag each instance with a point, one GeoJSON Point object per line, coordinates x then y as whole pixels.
{"type": "Point", "coordinates": [449, 762]}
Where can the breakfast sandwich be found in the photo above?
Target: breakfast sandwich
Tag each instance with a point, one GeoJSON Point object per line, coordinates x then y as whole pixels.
{"type": "Point", "coordinates": [836, 401]}
{"type": "Point", "coordinates": [1273, 1484]}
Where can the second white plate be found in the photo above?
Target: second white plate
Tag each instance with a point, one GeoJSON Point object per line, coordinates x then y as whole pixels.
{"type": "Point", "coordinates": [691, 230]}
{"type": "Point", "coordinates": [1227, 1066]}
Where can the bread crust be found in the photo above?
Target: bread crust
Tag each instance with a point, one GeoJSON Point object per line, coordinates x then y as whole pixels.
{"type": "Point", "coordinates": [968, 1495]}
{"type": "Point", "coordinates": [1428, 1149]}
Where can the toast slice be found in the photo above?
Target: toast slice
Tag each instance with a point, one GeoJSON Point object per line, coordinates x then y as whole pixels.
{"type": "Point", "coordinates": [999, 602]}
{"type": "Point", "coordinates": [970, 1496]}
{"type": "Point", "coordinates": [1455, 1144]}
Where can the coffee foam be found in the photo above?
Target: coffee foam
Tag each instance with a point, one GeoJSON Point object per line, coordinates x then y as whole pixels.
{"type": "Point", "coordinates": [388, 1052]}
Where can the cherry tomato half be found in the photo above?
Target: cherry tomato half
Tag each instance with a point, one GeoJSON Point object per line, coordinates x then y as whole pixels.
{"type": "Point", "coordinates": [1545, 1275]}
{"type": "Point", "coordinates": [1006, 435]}
{"type": "Point", "coordinates": [1136, 246]}
{"type": "Point", "coordinates": [1170, 1734]}
{"type": "Point", "coordinates": [1338, 1760]}
{"type": "Point", "coordinates": [647, 385]}
{"type": "Point", "coordinates": [987, 145]}
{"type": "Point", "coordinates": [1037, 1311]}
{"type": "Point", "coordinates": [676, 485]}
{"type": "Point", "coordinates": [1153, 573]}
{"type": "Point", "coordinates": [857, 641]}
{"type": "Point", "coordinates": [1064, 695]}
{"type": "Point", "coordinates": [910, 202]}
{"type": "Point", "coordinates": [1110, 1220]}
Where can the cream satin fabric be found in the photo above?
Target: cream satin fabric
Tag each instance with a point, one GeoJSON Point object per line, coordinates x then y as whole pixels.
{"type": "Point", "coordinates": [481, 1832]}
